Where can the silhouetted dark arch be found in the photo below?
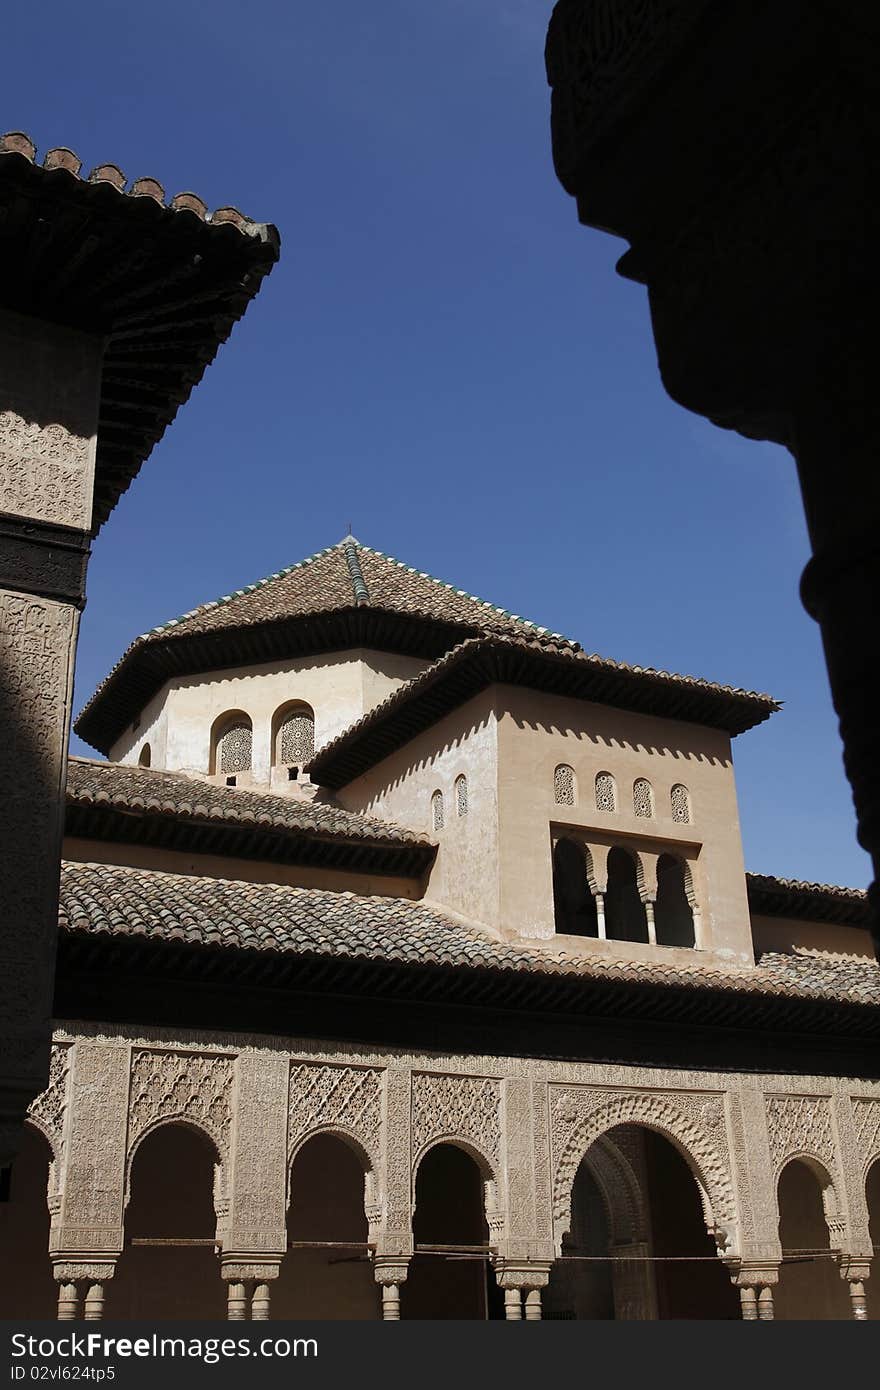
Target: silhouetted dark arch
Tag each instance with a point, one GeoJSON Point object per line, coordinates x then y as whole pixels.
{"type": "Point", "coordinates": [810, 1286]}
{"type": "Point", "coordinates": [29, 1290]}
{"type": "Point", "coordinates": [450, 1210]}
{"type": "Point", "coordinates": [574, 906]}
{"type": "Point", "coordinates": [625, 918]}
{"type": "Point", "coordinates": [673, 915]}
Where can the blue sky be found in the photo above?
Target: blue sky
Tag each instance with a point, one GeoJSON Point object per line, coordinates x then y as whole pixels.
{"type": "Point", "coordinates": [443, 358]}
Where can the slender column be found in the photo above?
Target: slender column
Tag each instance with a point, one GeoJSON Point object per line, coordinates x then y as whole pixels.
{"type": "Point", "coordinates": [600, 915]}
{"type": "Point", "coordinates": [855, 1272]}
{"type": "Point", "coordinates": [94, 1302]}
{"type": "Point", "coordinates": [236, 1301]}
{"type": "Point", "coordinates": [857, 1299]}
{"type": "Point", "coordinates": [765, 1304]}
{"type": "Point", "coordinates": [513, 1304]}
{"type": "Point", "coordinates": [390, 1273]}
{"type": "Point", "coordinates": [749, 1302]}
{"type": "Point", "coordinates": [260, 1302]}
{"type": "Point", "coordinates": [533, 1305]}
{"type": "Point", "coordinates": [68, 1302]}
{"type": "Point", "coordinates": [652, 930]}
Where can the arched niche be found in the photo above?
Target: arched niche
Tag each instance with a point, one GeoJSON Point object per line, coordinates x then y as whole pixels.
{"type": "Point", "coordinates": [574, 907]}
{"type": "Point", "coordinates": [232, 738]}
{"type": "Point", "coordinates": [625, 916]}
{"type": "Point", "coordinates": [169, 1267]}
{"type": "Point", "coordinates": [810, 1286]}
{"type": "Point", "coordinates": [673, 910]}
{"type": "Point", "coordinates": [30, 1291]}
{"type": "Point", "coordinates": [293, 734]}
{"type": "Point", "coordinates": [449, 1211]}
{"type": "Point", "coordinates": [326, 1272]}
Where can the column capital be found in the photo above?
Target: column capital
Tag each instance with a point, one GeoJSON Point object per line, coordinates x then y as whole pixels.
{"type": "Point", "coordinates": [522, 1274]}
{"type": "Point", "coordinates": [390, 1269]}
{"type": "Point", "coordinates": [239, 1269]}
{"type": "Point", "coordinates": [68, 1271]}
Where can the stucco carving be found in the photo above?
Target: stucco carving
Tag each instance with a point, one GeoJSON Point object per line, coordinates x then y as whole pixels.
{"type": "Point", "coordinates": [188, 1086]}
{"type": "Point", "coordinates": [801, 1125]}
{"type": "Point", "coordinates": [343, 1098]}
{"type": "Point", "coordinates": [45, 470]}
{"type": "Point", "coordinates": [579, 1115]}
{"type": "Point", "coordinates": [866, 1122]}
{"type": "Point", "coordinates": [457, 1108]}
{"type": "Point", "coordinates": [48, 1110]}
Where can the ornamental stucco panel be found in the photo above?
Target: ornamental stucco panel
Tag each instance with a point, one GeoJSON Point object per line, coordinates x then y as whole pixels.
{"type": "Point", "coordinates": [801, 1125]}
{"type": "Point", "coordinates": [341, 1099]}
{"type": "Point", "coordinates": [461, 1108]}
{"type": "Point", "coordinates": [185, 1086]}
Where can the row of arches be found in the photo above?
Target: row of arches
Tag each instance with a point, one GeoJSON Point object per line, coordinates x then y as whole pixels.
{"type": "Point", "coordinates": [565, 793]}
{"type": "Point", "coordinates": [232, 740]}
{"type": "Point", "coordinates": [623, 912]}
{"type": "Point", "coordinates": [636, 1246]}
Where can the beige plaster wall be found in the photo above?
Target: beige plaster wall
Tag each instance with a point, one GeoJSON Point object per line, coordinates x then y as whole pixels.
{"type": "Point", "coordinates": [171, 861]}
{"type": "Point", "coordinates": [786, 934]}
{"type": "Point", "coordinates": [537, 732]}
{"type": "Point", "coordinates": [465, 873]}
{"type": "Point", "coordinates": [340, 687]}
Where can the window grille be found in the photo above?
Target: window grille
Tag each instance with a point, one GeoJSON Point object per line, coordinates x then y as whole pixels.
{"type": "Point", "coordinates": [606, 792]}
{"type": "Point", "coordinates": [643, 797]}
{"type": "Point", "coordinates": [438, 819]}
{"type": "Point", "coordinates": [681, 804]}
{"type": "Point", "coordinates": [461, 795]}
{"type": "Point", "coordinates": [563, 785]}
{"type": "Point", "coordinates": [297, 738]}
{"type": "Point", "coordinates": [234, 749]}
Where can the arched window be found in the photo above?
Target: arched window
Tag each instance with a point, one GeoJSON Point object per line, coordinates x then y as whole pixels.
{"type": "Point", "coordinates": [643, 797]}
{"type": "Point", "coordinates": [673, 915]}
{"type": "Point", "coordinates": [438, 819]}
{"type": "Point", "coordinates": [574, 907]}
{"type": "Point", "coordinates": [461, 795]}
{"type": "Point", "coordinates": [606, 792]}
{"type": "Point", "coordinates": [145, 756]}
{"type": "Point", "coordinates": [564, 785]}
{"type": "Point", "coordinates": [232, 742]}
{"type": "Point", "coordinates": [293, 735]}
{"type": "Point", "coordinates": [625, 916]}
{"type": "Point", "coordinates": [681, 804]}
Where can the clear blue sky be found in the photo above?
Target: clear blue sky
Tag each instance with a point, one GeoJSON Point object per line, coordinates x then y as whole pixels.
{"type": "Point", "coordinates": [443, 357]}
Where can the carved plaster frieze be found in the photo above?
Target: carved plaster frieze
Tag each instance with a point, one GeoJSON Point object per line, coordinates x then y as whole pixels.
{"type": "Point", "coordinates": [461, 1108]}
{"type": "Point", "coordinates": [866, 1123]}
{"type": "Point", "coordinates": [192, 1087]}
{"type": "Point", "coordinates": [48, 1111]}
{"type": "Point", "coordinates": [801, 1125]}
{"type": "Point", "coordinates": [336, 1098]}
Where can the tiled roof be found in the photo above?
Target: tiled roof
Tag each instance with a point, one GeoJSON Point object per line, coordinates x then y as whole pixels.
{"type": "Point", "coordinates": [347, 595]}
{"type": "Point", "coordinates": [178, 811]}
{"type": "Point", "coordinates": [542, 662]}
{"type": "Point", "coordinates": [350, 595]}
{"type": "Point", "coordinates": [109, 901]}
{"type": "Point", "coordinates": [817, 902]}
{"type": "Point", "coordinates": [163, 283]}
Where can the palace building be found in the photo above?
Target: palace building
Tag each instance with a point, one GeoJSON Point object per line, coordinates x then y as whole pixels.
{"type": "Point", "coordinates": [409, 967]}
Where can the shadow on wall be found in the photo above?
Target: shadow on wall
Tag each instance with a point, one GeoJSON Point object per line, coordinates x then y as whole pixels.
{"type": "Point", "coordinates": [29, 1290]}
{"type": "Point", "coordinates": [582, 735]}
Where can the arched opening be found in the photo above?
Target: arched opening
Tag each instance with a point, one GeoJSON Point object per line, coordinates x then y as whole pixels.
{"type": "Point", "coordinates": [169, 1268]}
{"type": "Point", "coordinates": [580, 1283]}
{"type": "Point", "coordinates": [574, 906]}
{"type": "Point", "coordinates": [461, 795]}
{"type": "Point", "coordinates": [680, 804]}
{"type": "Point", "coordinates": [809, 1285]}
{"type": "Point", "coordinates": [30, 1290]}
{"type": "Point", "coordinates": [872, 1196]}
{"type": "Point", "coordinates": [638, 1247]}
{"type": "Point", "coordinates": [606, 792]}
{"type": "Point", "coordinates": [625, 917]}
{"type": "Point", "coordinates": [232, 743]}
{"type": "Point", "coordinates": [293, 735]}
{"type": "Point", "coordinates": [643, 797]}
{"type": "Point", "coordinates": [673, 915]}
{"type": "Point", "coordinates": [438, 813]}
{"type": "Point", "coordinates": [449, 1211]}
{"type": "Point", "coordinates": [145, 757]}
{"type": "Point", "coordinates": [326, 1272]}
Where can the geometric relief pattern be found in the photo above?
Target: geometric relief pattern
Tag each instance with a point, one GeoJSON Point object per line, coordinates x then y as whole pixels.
{"type": "Point", "coordinates": [328, 1096]}
{"type": "Point", "coordinates": [866, 1120]}
{"type": "Point", "coordinates": [47, 1110]}
{"type": "Point", "coordinates": [182, 1086]}
{"type": "Point", "coordinates": [801, 1124]}
{"type": "Point", "coordinates": [580, 1115]}
{"type": "Point", "coordinates": [456, 1107]}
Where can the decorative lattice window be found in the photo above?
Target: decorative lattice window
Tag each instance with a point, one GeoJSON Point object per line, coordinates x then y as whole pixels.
{"type": "Point", "coordinates": [643, 797]}
{"type": "Point", "coordinates": [297, 737]}
{"type": "Point", "coordinates": [461, 795]}
{"type": "Point", "coordinates": [606, 792]}
{"type": "Point", "coordinates": [438, 818]}
{"type": "Point", "coordinates": [234, 748]}
{"type": "Point", "coordinates": [563, 785]}
{"type": "Point", "coordinates": [681, 804]}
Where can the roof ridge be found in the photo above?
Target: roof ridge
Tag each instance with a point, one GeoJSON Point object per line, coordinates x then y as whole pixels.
{"type": "Point", "coordinates": [349, 546]}
{"type": "Point", "coordinates": [462, 593]}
